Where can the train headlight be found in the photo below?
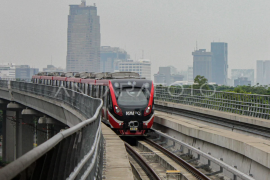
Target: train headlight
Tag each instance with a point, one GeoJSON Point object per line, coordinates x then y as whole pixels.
{"type": "Point", "coordinates": [147, 111]}
{"type": "Point", "coordinates": [118, 111]}
{"type": "Point", "coordinates": [116, 85]}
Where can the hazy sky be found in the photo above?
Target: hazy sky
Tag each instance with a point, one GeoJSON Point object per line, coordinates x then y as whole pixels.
{"type": "Point", "coordinates": [32, 31]}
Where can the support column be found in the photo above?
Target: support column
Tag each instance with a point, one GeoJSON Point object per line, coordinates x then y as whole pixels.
{"type": "Point", "coordinates": [10, 136]}
{"type": "Point", "coordinates": [16, 121]}
{"type": "Point", "coordinates": [52, 126]}
{"type": "Point", "coordinates": [3, 108]}
{"type": "Point", "coordinates": [18, 134]}
{"type": "Point", "coordinates": [27, 133]}
{"type": "Point", "coordinates": [29, 129]}
{"type": "Point", "coordinates": [4, 135]}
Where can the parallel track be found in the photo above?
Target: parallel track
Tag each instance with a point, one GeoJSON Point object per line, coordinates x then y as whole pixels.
{"type": "Point", "coordinates": [199, 175]}
{"type": "Point", "coordinates": [151, 173]}
{"type": "Point", "coordinates": [148, 170]}
{"type": "Point", "coordinates": [254, 129]}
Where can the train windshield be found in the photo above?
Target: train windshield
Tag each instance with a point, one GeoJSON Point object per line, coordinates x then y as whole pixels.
{"type": "Point", "coordinates": [132, 96]}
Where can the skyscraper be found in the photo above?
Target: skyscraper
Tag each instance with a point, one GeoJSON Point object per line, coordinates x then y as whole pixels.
{"type": "Point", "coordinates": [109, 57]}
{"type": "Point", "coordinates": [263, 72]}
{"type": "Point", "coordinates": [202, 63]}
{"type": "Point", "coordinates": [219, 62]}
{"type": "Point", "coordinates": [83, 40]}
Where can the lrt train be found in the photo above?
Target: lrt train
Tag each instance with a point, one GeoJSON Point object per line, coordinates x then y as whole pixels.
{"type": "Point", "coordinates": [128, 100]}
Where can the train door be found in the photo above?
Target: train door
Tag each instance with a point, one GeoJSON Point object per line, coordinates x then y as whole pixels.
{"type": "Point", "coordinates": [109, 104]}
{"type": "Point", "coordinates": [105, 100]}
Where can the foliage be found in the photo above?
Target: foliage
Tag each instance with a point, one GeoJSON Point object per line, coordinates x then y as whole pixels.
{"type": "Point", "coordinates": [264, 90]}
{"type": "Point", "coordinates": [200, 82]}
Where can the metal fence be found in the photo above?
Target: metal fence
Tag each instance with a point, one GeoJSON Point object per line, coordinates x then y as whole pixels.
{"type": "Point", "coordinates": [244, 104]}
{"type": "Point", "coordinates": [75, 153]}
{"type": "Point", "coordinates": [3, 84]}
{"type": "Point", "coordinates": [236, 174]}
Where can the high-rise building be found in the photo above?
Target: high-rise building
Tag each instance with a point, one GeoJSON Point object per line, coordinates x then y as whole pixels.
{"type": "Point", "coordinates": [109, 58]}
{"type": "Point", "coordinates": [167, 76]}
{"type": "Point", "coordinates": [202, 64]}
{"type": "Point", "coordinates": [242, 81]}
{"type": "Point", "coordinates": [83, 40]}
{"type": "Point", "coordinates": [249, 73]}
{"type": "Point", "coordinates": [219, 62]}
{"type": "Point", "coordinates": [190, 74]}
{"type": "Point", "coordinates": [24, 72]}
{"type": "Point", "coordinates": [142, 67]}
{"type": "Point", "coordinates": [263, 72]}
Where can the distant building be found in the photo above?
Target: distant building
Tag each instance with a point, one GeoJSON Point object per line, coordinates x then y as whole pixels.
{"type": "Point", "coordinates": [219, 52]}
{"type": "Point", "coordinates": [263, 72]}
{"type": "Point", "coordinates": [52, 68]}
{"type": "Point", "coordinates": [83, 39]}
{"type": "Point", "coordinates": [142, 66]}
{"type": "Point", "coordinates": [242, 81]}
{"type": "Point", "coordinates": [110, 57]}
{"type": "Point", "coordinates": [249, 73]}
{"type": "Point", "coordinates": [185, 74]}
{"type": "Point", "coordinates": [190, 74]}
{"type": "Point", "coordinates": [230, 82]}
{"type": "Point", "coordinates": [7, 71]}
{"type": "Point", "coordinates": [202, 64]}
{"type": "Point", "coordinates": [167, 76]}
{"type": "Point", "coordinates": [25, 72]}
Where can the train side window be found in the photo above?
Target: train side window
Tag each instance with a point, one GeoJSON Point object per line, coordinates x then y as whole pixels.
{"type": "Point", "coordinates": [94, 91]}
{"type": "Point", "coordinates": [109, 100]}
{"type": "Point", "coordinates": [89, 89]}
{"type": "Point", "coordinates": [100, 91]}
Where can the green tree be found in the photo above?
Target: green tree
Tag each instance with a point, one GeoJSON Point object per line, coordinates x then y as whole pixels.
{"type": "Point", "coordinates": [201, 82]}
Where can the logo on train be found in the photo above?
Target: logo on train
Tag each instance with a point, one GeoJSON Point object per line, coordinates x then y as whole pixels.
{"type": "Point", "coordinates": [132, 113]}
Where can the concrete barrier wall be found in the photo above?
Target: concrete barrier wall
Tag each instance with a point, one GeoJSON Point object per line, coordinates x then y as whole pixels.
{"type": "Point", "coordinates": [250, 155]}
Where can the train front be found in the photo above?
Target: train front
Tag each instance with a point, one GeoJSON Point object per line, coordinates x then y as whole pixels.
{"type": "Point", "coordinates": [130, 106]}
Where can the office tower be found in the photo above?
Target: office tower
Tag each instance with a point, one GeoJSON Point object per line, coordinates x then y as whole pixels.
{"type": "Point", "coordinates": [263, 72]}
{"type": "Point", "coordinates": [190, 74]}
{"type": "Point", "coordinates": [167, 75]}
{"type": "Point", "coordinates": [202, 63]}
{"type": "Point", "coordinates": [109, 58]}
{"type": "Point", "coordinates": [249, 73]}
{"type": "Point", "coordinates": [83, 41]}
{"type": "Point", "coordinates": [242, 81]}
{"type": "Point", "coordinates": [142, 66]}
{"type": "Point", "coordinates": [219, 62]}
{"type": "Point", "coordinates": [24, 72]}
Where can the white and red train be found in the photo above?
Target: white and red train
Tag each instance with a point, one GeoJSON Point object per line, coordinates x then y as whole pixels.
{"type": "Point", "coordinates": [127, 99]}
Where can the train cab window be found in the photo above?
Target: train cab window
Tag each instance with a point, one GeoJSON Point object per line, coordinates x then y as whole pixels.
{"type": "Point", "coordinates": [131, 97]}
{"type": "Point", "coordinates": [109, 100]}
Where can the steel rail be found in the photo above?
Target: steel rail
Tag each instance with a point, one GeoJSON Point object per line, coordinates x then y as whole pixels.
{"type": "Point", "coordinates": [207, 156]}
{"type": "Point", "coordinates": [195, 172]}
{"type": "Point", "coordinates": [251, 128]}
{"type": "Point", "coordinates": [149, 171]}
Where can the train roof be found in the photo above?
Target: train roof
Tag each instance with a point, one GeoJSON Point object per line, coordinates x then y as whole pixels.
{"type": "Point", "coordinates": [92, 75]}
